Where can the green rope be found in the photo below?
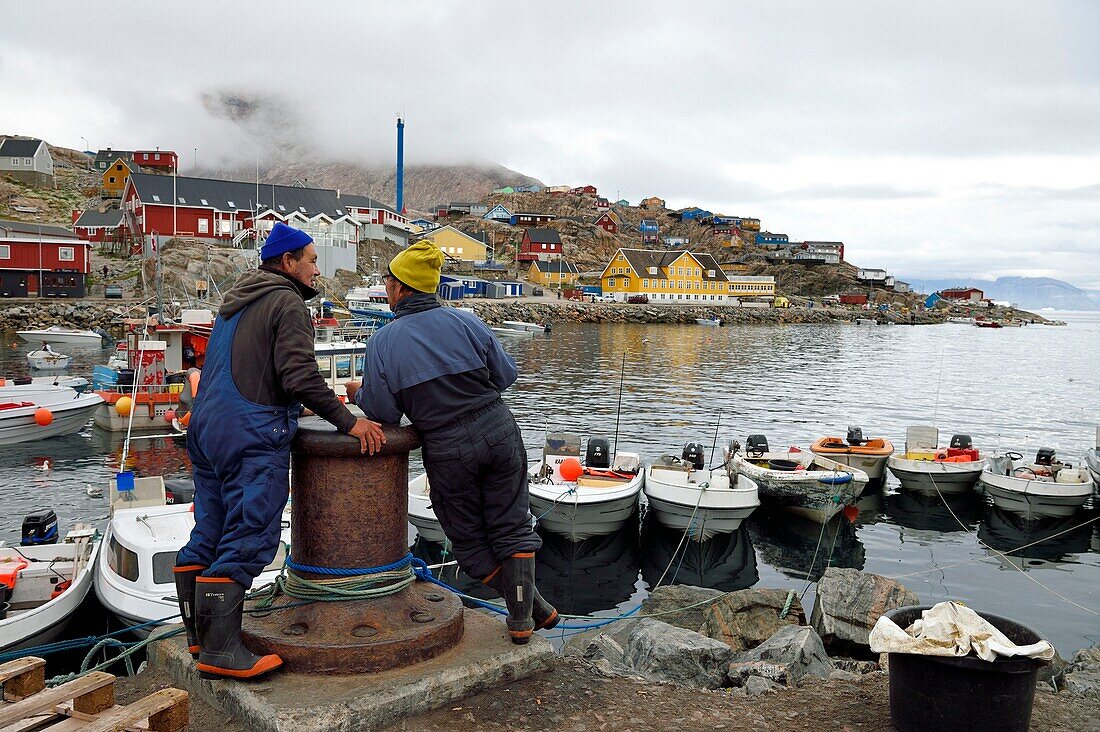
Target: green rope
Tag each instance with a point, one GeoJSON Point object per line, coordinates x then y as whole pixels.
{"type": "Point", "coordinates": [787, 605]}
{"type": "Point", "coordinates": [338, 589]}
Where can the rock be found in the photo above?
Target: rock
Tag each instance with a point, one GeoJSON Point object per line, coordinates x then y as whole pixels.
{"type": "Point", "coordinates": [662, 652]}
{"type": "Point", "coordinates": [839, 675]}
{"type": "Point", "coordinates": [670, 599]}
{"type": "Point", "coordinates": [747, 618]}
{"type": "Point", "coordinates": [1085, 683]}
{"type": "Point", "coordinates": [740, 673]}
{"type": "Point", "coordinates": [795, 647]}
{"type": "Point", "coordinates": [1086, 659]}
{"type": "Point", "coordinates": [854, 666]}
{"type": "Point", "coordinates": [1053, 674]}
{"type": "Point", "coordinates": [599, 647]}
{"type": "Point", "coordinates": [850, 602]}
{"type": "Point", "coordinates": [757, 685]}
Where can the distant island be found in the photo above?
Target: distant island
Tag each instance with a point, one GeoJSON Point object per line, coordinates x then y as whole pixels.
{"type": "Point", "coordinates": [1029, 293]}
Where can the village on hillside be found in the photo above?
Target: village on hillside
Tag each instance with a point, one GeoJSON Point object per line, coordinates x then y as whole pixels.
{"type": "Point", "coordinates": [121, 206]}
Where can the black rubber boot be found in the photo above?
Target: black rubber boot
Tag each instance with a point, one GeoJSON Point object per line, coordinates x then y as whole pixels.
{"type": "Point", "coordinates": [517, 574]}
{"type": "Point", "coordinates": [220, 603]}
{"type": "Point", "coordinates": [185, 576]}
{"type": "Point", "coordinates": [543, 613]}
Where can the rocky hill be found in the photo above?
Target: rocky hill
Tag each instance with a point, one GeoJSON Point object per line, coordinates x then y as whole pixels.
{"type": "Point", "coordinates": [74, 186]}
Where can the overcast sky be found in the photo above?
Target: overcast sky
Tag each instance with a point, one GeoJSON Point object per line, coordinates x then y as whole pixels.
{"type": "Point", "coordinates": [936, 139]}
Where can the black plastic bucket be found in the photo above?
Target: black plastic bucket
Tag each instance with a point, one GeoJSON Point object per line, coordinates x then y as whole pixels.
{"type": "Point", "coordinates": [965, 694]}
{"type": "Point", "coordinates": [787, 466]}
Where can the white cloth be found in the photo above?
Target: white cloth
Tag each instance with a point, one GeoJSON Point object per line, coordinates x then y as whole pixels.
{"type": "Point", "coordinates": [951, 629]}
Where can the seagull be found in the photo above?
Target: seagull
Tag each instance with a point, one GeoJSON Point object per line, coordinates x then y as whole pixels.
{"type": "Point", "coordinates": [45, 466]}
{"type": "Point", "coordinates": [92, 491]}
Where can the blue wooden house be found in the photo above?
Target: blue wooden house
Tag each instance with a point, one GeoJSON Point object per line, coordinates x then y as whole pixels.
{"type": "Point", "coordinates": [498, 213]}
{"type": "Point", "coordinates": [533, 188]}
{"type": "Point", "coordinates": [425, 224]}
{"type": "Point", "coordinates": [767, 237]}
{"type": "Point", "coordinates": [693, 214]}
{"type": "Point", "coordinates": [649, 231]}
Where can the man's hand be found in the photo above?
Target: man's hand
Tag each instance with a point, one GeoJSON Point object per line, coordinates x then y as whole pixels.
{"type": "Point", "coordinates": [370, 435]}
{"type": "Point", "coordinates": [350, 388]}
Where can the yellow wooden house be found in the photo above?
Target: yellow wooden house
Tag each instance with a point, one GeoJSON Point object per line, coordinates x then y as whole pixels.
{"type": "Point", "coordinates": [676, 276]}
{"type": "Point", "coordinates": [553, 273]}
{"type": "Point", "coordinates": [457, 244]}
{"type": "Point", "coordinates": [115, 176]}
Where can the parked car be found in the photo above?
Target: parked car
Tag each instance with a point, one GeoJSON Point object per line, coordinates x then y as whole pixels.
{"type": "Point", "coordinates": [602, 298]}
{"type": "Point", "coordinates": [112, 292]}
{"type": "Point", "coordinates": [537, 291]}
{"type": "Point", "coordinates": [638, 299]}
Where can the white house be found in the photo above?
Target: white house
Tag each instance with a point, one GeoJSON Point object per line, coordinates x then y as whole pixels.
{"type": "Point", "coordinates": [498, 213]}
{"type": "Point", "coordinates": [27, 160]}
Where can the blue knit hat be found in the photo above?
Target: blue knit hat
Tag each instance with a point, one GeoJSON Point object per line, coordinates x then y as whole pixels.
{"type": "Point", "coordinates": [283, 239]}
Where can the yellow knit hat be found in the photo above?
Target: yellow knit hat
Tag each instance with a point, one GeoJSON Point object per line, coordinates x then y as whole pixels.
{"type": "Point", "coordinates": [418, 266]}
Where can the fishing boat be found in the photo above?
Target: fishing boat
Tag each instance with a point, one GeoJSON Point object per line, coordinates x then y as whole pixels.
{"type": "Point", "coordinates": [926, 467]}
{"type": "Point", "coordinates": [421, 514]}
{"type": "Point", "coordinates": [1042, 488]}
{"type": "Point", "coordinates": [523, 325]}
{"type": "Point", "coordinates": [511, 333]}
{"type": "Point", "coordinates": [961, 321]}
{"type": "Point", "coordinates": [368, 299]}
{"type": "Point", "coordinates": [63, 336]}
{"type": "Point", "coordinates": [76, 383]}
{"type": "Point", "coordinates": [30, 412]}
{"type": "Point", "coordinates": [715, 322]}
{"type": "Point", "coordinates": [581, 500]}
{"type": "Point", "coordinates": [684, 495]}
{"type": "Point", "coordinates": [133, 576]}
{"type": "Point", "coordinates": [798, 481]}
{"type": "Point", "coordinates": [869, 455]}
{"type": "Point", "coordinates": [988, 324]}
{"type": "Point", "coordinates": [1092, 459]}
{"type": "Point", "coordinates": [46, 359]}
{"type": "Point", "coordinates": [43, 582]}
{"type": "Point", "coordinates": [866, 321]}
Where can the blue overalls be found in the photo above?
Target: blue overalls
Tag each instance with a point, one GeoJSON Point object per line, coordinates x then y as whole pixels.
{"type": "Point", "coordinates": [240, 455]}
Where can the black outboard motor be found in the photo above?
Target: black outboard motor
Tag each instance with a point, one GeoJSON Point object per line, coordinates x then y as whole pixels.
{"type": "Point", "coordinates": [1045, 456]}
{"type": "Point", "coordinates": [961, 442]}
{"type": "Point", "coordinates": [39, 527]}
{"type": "Point", "coordinates": [598, 453]}
{"type": "Point", "coordinates": [756, 445]}
{"type": "Point", "coordinates": [694, 455]}
{"type": "Point", "coordinates": [855, 435]}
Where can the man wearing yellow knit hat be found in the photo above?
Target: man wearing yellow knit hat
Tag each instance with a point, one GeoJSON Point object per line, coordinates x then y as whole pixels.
{"type": "Point", "coordinates": [445, 370]}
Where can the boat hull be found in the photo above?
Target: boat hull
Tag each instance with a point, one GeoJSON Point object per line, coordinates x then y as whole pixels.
{"type": "Point", "coordinates": [1035, 498]}
{"type": "Point", "coordinates": [928, 476]}
{"type": "Point", "coordinates": [68, 338]}
{"type": "Point", "coordinates": [814, 494]}
{"type": "Point", "coordinates": [107, 418]}
{"type": "Point", "coordinates": [1092, 459]}
{"type": "Point", "coordinates": [421, 515]}
{"type": "Point", "coordinates": [19, 425]}
{"type": "Point", "coordinates": [873, 465]}
{"type": "Point", "coordinates": [703, 513]}
{"type": "Point", "coordinates": [579, 520]}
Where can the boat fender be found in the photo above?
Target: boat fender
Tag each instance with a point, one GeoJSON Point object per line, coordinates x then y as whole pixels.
{"type": "Point", "coordinates": [839, 479]}
{"type": "Point", "coordinates": [60, 588]}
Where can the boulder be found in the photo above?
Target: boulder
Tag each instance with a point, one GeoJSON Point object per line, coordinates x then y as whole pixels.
{"type": "Point", "coordinates": [662, 652]}
{"type": "Point", "coordinates": [795, 647]}
{"type": "Point", "coordinates": [850, 602]}
{"type": "Point", "coordinates": [855, 666]}
{"type": "Point", "coordinates": [1085, 683]}
{"type": "Point", "coordinates": [746, 618]}
{"type": "Point", "coordinates": [670, 599]}
{"type": "Point", "coordinates": [757, 685]}
{"type": "Point", "coordinates": [740, 673]}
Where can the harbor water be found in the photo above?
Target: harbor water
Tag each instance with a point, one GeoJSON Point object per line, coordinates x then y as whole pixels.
{"type": "Point", "coordinates": [1012, 389]}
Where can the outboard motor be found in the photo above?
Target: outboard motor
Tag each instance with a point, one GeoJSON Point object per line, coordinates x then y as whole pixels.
{"type": "Point", "coordinates": [39, 527]}
{"type": "Point", "coordinates": [598, 453]}
{"type": "Point", "coordinates": [961, 442]}
{"type": "Point", "coordinates": [694, 455]}
{"type": "Point", "coordinates": [756, 445]}
{"type": "Point", "coordinates": [855, 436]}
{"type": "Point", "coordinates": [1045, 456]}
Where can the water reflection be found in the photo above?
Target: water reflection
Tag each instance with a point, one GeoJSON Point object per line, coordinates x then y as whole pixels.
{"type": "Point", "coordinates": [726, 562]}
{"type": "Point", "coordinates": [165, 456]}
{"type": "Point", "coordinates": [927, 513]}
{"type": "Point", "coordinates": [789, 544]}
{"type": "Point", "coordinates": [1053, 541]}
{"type": "Point", "coordinates": [586, 576]}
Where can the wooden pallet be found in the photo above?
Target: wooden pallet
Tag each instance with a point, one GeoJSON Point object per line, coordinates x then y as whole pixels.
{"type": "Point", "coordinates": [86, 704]}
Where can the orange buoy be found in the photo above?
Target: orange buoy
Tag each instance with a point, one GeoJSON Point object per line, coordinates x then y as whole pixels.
{"type": "Point", "coordinates": [123, 406]}
{"type": "Point", "coordinates": [169, 416]}
{"type": "Point", "coordinates": [571, 469]}
{"type": "Point", "coordinates": [43, 416]}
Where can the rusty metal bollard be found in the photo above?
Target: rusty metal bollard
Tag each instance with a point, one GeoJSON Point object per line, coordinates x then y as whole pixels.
{"type": "Point", "coordinates": [350, 510]}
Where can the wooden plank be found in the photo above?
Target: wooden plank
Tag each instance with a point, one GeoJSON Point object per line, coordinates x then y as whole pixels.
{"type": "Point", "coordinates": [49, 698]}
{"type": "Point", "coordinates": [23, 676]}
{"type": "Point", "coordinates": [166, 710]}
{"type": "Point", "coordinates": [95, 701]}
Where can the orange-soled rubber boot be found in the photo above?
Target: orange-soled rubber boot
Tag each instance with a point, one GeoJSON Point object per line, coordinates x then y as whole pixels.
{"type": "Point", "coordinates": [185, 576]}
{"type": "Point", "coordinates": [543, 613]}
{"type": "Point", "coordinates": [220, 604]}
{"type": "Point", "coordinates": [517, 575]}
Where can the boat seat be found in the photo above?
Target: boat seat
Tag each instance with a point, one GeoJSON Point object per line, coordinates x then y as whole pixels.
{"type": "Point", "coordinates": [599, 481]}
{"type": "Point", "coordinates": [10, 567]}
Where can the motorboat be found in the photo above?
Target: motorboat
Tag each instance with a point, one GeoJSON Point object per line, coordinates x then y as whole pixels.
{"type": "Point", "coordinates": [30, 412]}
{"type": "Point", "coordinates": [797, 480]}
{"type": "Point", "coordinates": [581, 500]}
{"type": "Point", "coordinates": [926, 467]}
{"type": "Point", "coordinates": [988, 324]}
{"type": "Point", "coordinates": [30, 383]}
{"type": "Point", "coordinates": [523, 325]}
{"type": "Point", "coordinates": [42, 581]}
{"type": "Point", "coordinates": [61, 335]}
{"type": "Point", "coordinates": [1092, 459]}
{"type": "Point", "coordinates": [684, 495]}
{"type": "Point", "coordinates": [368, 299]}
{"type": "Point", "coordinates": [961, 321]}
{"type": "Point", "coordinates": [511, 333]}
{"type": "Point", "coordinates": [421, 514]}
{"type": "Point", "coordinates": [1042, 488]}
{"type": "Point", "coordinates": [866, 321]}
{"type": "Point", "coordinates": [867, 454]}
{"type": "Point", "coordinates": [47, 359]}
{"type": "Point", "coordinates": [133, 577]}
{"type": "Point", "coordinates": [715, 322]}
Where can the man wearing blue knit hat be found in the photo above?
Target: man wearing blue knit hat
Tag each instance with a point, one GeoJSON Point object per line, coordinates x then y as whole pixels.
{"type": "Point", "coordinates": [260, 370]}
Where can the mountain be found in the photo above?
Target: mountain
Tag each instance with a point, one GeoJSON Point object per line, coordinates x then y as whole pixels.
{"type": "Point", "coordinates": [1030, 293]}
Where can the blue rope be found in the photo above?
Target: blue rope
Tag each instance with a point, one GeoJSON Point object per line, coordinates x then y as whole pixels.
{"type": "Point", "coordinates": [345, 572]}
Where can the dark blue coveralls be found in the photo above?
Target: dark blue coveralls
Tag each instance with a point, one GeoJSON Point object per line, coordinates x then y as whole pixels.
{"type": "Point", "coordinates": [240, 455]}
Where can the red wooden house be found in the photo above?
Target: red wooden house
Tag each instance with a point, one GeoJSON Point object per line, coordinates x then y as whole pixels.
{"type": "Point", "coordinates": [539, 244]}
{"type": "Point", "coordinates": [584, 191]}
{"type": "Point", "coordinates": [608, 222]}
{"type": "Point", "coordinates": [160, 161]}
{"type": "Point", "coordinates": [44, 266]}
{"type": "Point", "coordinates": [602, 202]}
{"type": "Point", "coordinates": [98, 226]}
{"type": "Point", "coordinates": [966, 294]}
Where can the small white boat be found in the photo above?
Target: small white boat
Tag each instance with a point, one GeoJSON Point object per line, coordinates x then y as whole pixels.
{"type": "Point", "coordinates": [1043, 488]}
{"type": "Point", "coordinates": [42, 585]}
{"type": "Point", "coordinates": [1092, 459]}
{"type": "Point", "coordinates": [46, 358]}
{"type": "Point", "coordinates": [715, 322]}
{"type": "Point", "coordinates": [368, 298]}
{"type": "Point", "coordinates": [581, 500]}
{"type": "Point", "coordinates": [522, 325]}
{"type": "Point", "coordinates": [61, 335]}
{"type": "Point", "coordinates": [421, 515]}
{"type": "Point", "coordinates": [133, 577]}
{"type": "Point", "coordinates": [799, 481]}
{"type": "Point", "coordinates": [869, 455]}
{"type": "Point", "coordinates": [511, 333]}
{"type": "Point", "coordinates": [30, 412]}
{"type": "Point", "coordinates": [76, 383]}
{"type": "Point", "coordinates": [927, 468]}
{"type": "Point", "coordinates": [866, 321]}
{"type": "Point", "coordinates": [961, 321]}
{"type": "Point", "coordinates": [684, 495]}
